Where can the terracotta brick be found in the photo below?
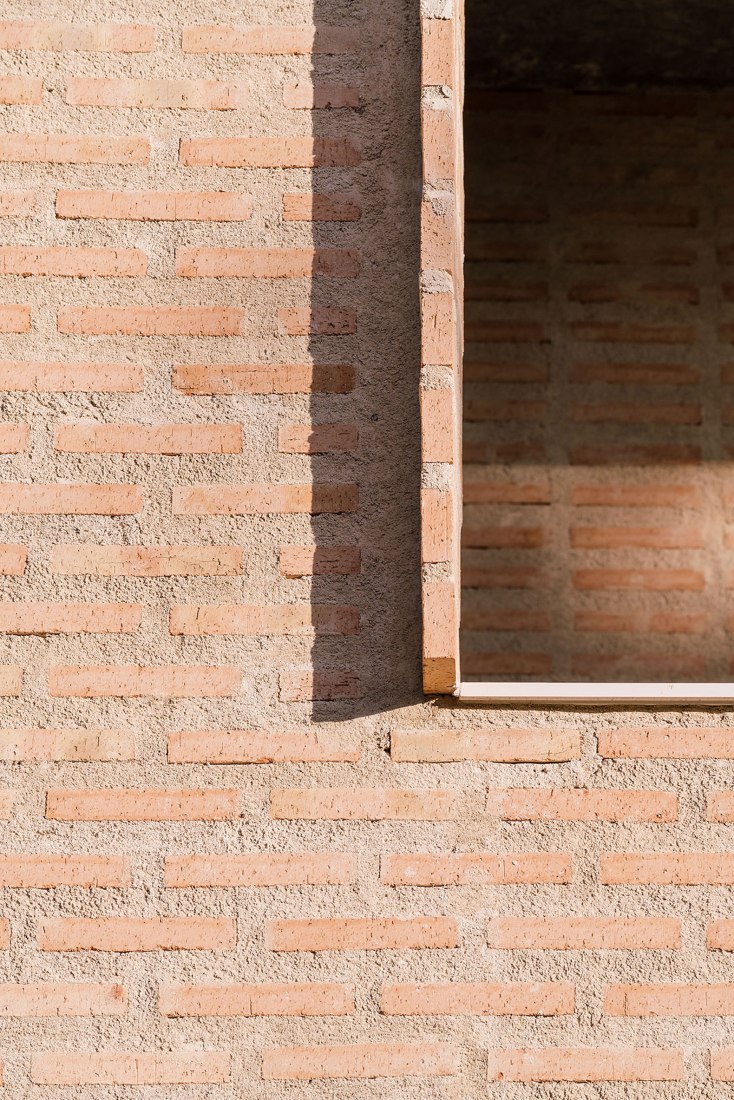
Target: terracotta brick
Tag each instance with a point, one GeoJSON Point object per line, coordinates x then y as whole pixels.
{"type": "Point", "coordinates": [112, 804]}
{"type": "Point", "coordinates": [437, 526]}
{"type": "Point", "coordinates": [635, 496]}
{"type": "Point", "coordinates": [267, 263]}
{"type": "Point", "coordinates": [107, 37]}
{"type": "Point", "coordinates": [508, 746]}
{"type": "Point", "coordinates": [655, 538]}
{"type": "Point", "coordinates": [437, 425]}
{"type": "Point", "coordinates": [69, 618]}
{"type": "Point", "coordinates": [66, 744]}
{"type": "Point", "coordinates": [15, 318]}
{"type": "Point", "coordinates": [645, 580]}
{"type": "Point", "coordinates": [154, 681]}
{"type": "Point", "coordinates": [20, 89]}
{"type": "Point", "coordinates": [40, 377]}
{"type": "Point", "coordinates": [184, 1067]}
{"type": "Point", "coordinates": [259, 747]}
{"type": "Point", "coordinates": [361, 934]}
{"type": "Point", "coordinates": [12, 560]}
{"type": "Point", "coordinates": [17, 204]}
{"type": "Point", "coordinates": [44, 872]}
{"type": "Point", "coordinates": [329, 685]}
{"type": "Point", "coordinates": [269, 40]}
{"type": "Point", "coordinates": [437, 52]}
{"type": "Point", "coordinates": [321, 207]}
{"type": "Point", "coordinates": [304, 96]}
{"type": "Point", "coordinates": [310, 561]}
{"type": "Point", "coordinates": [198, 95]}
{"type": "Point", "coordinates": [250, 500]}
{"type": "Point", "coordinates": [667, 868]}
{"type": "Point", "coordinates": [475, 869]}
{"type": "Point", "coordinates": [11, 680]}
{"type": "Point", "coordinates": [268, 152]}
{"type": "Point", "coordinates": [204, 206]}
{"type": "Point", "coordinates": [161, 439]}
{"type": "Point", "coordinates": [70, 149]}
{"type": "Point", "coordinates": [479, 999]}
{"type": "Point", "coordinates": [62, 999]}
{"type": "Point", "coordinates": [286, 999]}
{"type": "Point", "coordinates": [13, 438]}
{"type": "Point", "coordinates": [262, 378]}
{"type": "Point", "coordinates": [720, 935]}
{"type": "Point", "coordinates": [137, 934]}
{"type": "Point", "coordinates": [61, 499]}
{"type": "Point", "coordinates": [720, 806]}
{"type": "Point", "coordinates": [586, 1064]}
{"type": "Point", "coordinates": [268, 869]}
{"type": "Point", "coordinates": [314, 439]}
{"type": "Point", "coordinates": [365, 1060]}
{"type": "Point", "coordinates": [147, 561]}
{"type": "Point", "coordinates": [72, 262]}
{"type": "Point", "coordinates": [581, 804]}
{"type": "Point", "coordinates": [667, 743]}
{"type": "Point", "coordinates": [272, 619]}
{"type": "Point", "coordinates": [319, 321]}
{"type": "Point", "coordinates": [584, 933]}
{"type": "Point", "coordinates": [669, 1000]}
{"type": "Point", "coordinates": [151, 320]}
{"type": "Point", "coordinates": [362, 804]}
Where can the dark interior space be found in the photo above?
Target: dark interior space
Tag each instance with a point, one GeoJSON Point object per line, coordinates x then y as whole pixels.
{"type": "Point", "coordinates": [598, 533]}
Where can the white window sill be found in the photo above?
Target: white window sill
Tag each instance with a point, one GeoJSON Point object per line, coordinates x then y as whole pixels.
{"type": "Point", "coordinates": [593, 694]}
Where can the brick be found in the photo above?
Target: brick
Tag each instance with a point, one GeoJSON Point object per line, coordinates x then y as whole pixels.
{"type": "Point", "coordinates": [266, 869]}
{"type": "Point", "coordinates": [40, 377]}
{"type": "Point", "coordinates": [58, 499]}
{"type": "Point", "coordinates": [62, 999]}
{"type": "Point", "coordinates": [475, 869]}
{"type": "Point", "coordinates": [69, 618]}
{"type": "Point", "coordinates": [319, 321]}
{"type": "Point", "coordinates": [112, 804]}
{"type": "Point", "coordinates": [20, 89]}
{"type": "Point", "coordinates": [285, 999]}
{"type": "Point", "coordinates": [654, 538]}
{"type": "Point", "coordinates": [15, 318]}
{"type": "Point", "coordinates": [151, 320]}
{"type": "Point", "coordinates": [111, 1067]}
{"type": "Point", "coordinates": [437, 425]}
{"type": "Point", "coordinates": [669, 1000]}
{"type": "Point", "coordinates": [44, 872]}
{"type": "Point", "coordinates": [316, 439]}
{"type": "Point", "coordinates": [267, 263]}
{"type": "Point", "coordinates": [199, 206]}
{"type": "Point", "coordinates": [4, 940]}
{"type": "Point", "coordinates": [644, 374]}
{"type": "Point", "coordinates": [635, 496]}
{"type": "Point", "coordinates": [503, 538]}
{"type": "Point", "coordinates": [586, 1064]}
{"type": "Point", "coordinates": [438, 338]}
{"type": "Point", "coordinates": [581, 804]}
{"type": "Point", "coordinates": [720, 806]}
{"type": "Point", "coordinates": [161, 439]}
{"type": "Point", "coordinates": [72, 262]}
{"type": "Point", "coordinates": [501, 492]}
{"type": "Point", "coordinates": [268, 152]}
{"type": "Point", "coordinates": [264, 620]}
{"type": "Point", "coordinates": [631, 413]}
{"type": "Point", "coordinates": [361, 934]}
{"type": "Point", "coordinates": [720, 935]}
{"type": "Point", "coordinates": [312, 561]}
{"type": "Point", "coordinates": [367, 1060]}
{"type": "Point", "coordinates": [13, 438]}
{"type": "Point", "coordinates": [437, 53]}
{"type": "Point", "coordinates": [148, 561]}
{"type": "Point", "coordinates": [667, 743]}
{"type": "Point", "coordinates": [198, 95]}
{"type": "Point", "coordinates": [12, 560]}
{"type": "Point", "coordinates": [17, 204]}
{"type": "Point", "coordinates": [11, 680]}
{"type": "Point", "coordinates": [507, 746]}
{"type": "Point", "coordinates": [6, 804]}
{"type": "Point", "coordinates": [250, 500]}
{"type": "Point", "coordinates": [38, 745]}
{"type": "Point", "coordinates": [269, 40]}
{"type": "Point", "coordinates": [107, 37]}
{"type": "Point", "coordinates": [137, 934]}
{"type": "Point", "coordinates": [321, 207]}
{"type": "Point", "coordinates": [328, 685]}
{"type": "Point", "coordinates": [667, 868]}
{"type": "Point", "coordinates": [645, 580]}
{"type": "Point", "coordinates": [362, 804]}
{"type": "Point", "coordinates": [259, 747]}
{"type": "Point", "coordinates": [639, 622]}
{"type": "Point", "coordinates": [153, 681]}
{"type": "Point", "coordinates": [69, 149]}
{"type": "Point", "coordinates": [584, 933]}
{"type": "Point", "coordinates": [437, 525]}
{"type": "Point", "coordinates": [722, 1064]}
{"type": "Point", "coordinates": [262, 378]}
{"type": "Point", "coordinates": [478, 999]}
{"type": "Point", "coordinates": [304, 96]}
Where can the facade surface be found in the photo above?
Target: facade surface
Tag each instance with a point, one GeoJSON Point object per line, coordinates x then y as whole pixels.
{"type": "Point", "coordinates": [243, 855]}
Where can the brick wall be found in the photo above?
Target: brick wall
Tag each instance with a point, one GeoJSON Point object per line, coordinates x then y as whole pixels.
{"type": "Point", "coordinates": [242, 854]}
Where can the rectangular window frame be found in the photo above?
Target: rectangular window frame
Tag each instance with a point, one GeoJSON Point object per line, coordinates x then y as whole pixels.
{"type": "Point", "coordinates": [441, 307]}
